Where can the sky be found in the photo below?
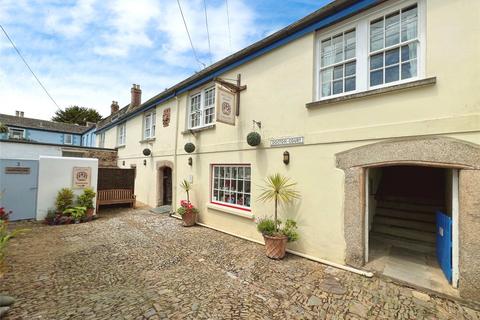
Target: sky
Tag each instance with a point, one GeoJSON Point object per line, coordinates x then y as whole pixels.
{"type": "Point", "coordinates": [90, 52]}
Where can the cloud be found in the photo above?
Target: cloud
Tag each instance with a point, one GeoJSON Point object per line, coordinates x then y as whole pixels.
{"type": "Point", "coordinates": [127, 26]}
{"type": "Point", "coordinates": [70, 21]}
{"type": "Point", "coordinates": [89, 52]}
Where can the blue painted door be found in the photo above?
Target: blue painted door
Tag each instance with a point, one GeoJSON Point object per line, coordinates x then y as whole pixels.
{"type": "Point", "coordinates": [18, 185]}
{"type": "Point", "coordinates": [444, 244]}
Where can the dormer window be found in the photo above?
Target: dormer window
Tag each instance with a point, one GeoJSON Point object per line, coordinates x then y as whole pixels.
{"type": "Point", "coordinates": [67, 139]}
{"type": "Point", "coordinates": [15, 133]}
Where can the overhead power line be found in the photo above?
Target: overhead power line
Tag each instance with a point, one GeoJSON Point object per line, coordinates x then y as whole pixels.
{"type": "Point", "coordinates": [228, 23]}
{"type": "Point", "coordinates": [28, 66]}
{"type": "Point", "coordinates": [208, 33]}
{"type": "Point", "coordinates": [189, 37]}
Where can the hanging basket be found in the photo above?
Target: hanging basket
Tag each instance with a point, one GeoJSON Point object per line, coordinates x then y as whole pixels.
{"type": "Point", "coordinates": [254, 139]}
{"type": "Point", "coordinates": [189, 147]}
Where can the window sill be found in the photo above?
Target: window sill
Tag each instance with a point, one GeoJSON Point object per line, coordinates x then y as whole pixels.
{"type": "Point", "coordinates": [188, 131]}
{"type": "Point", "coordinates": [234, 211]}
{"type": "Point", "coordinates": [373, 92]}
{"type": "Point", "coordinates": [120, 147]}
{"type": "Point", "coordinates": [147, 140]}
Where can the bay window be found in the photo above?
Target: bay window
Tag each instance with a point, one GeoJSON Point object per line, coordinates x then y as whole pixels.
{"type": "Point", "coordinates": [231, 185]}
{"type": "Point", "coordinates": [149, 123]}
{"type": "Point", "coordinates": [201, 109]}
{"type": "Point", "coordinates": [380, 49]}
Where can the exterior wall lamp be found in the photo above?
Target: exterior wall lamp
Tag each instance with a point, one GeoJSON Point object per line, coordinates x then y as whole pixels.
{"type": "Point", "coordinates": [190, 161]}
{"type": "Point", "coordinates": [286, 157]}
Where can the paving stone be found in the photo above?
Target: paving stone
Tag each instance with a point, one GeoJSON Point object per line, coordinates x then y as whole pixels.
{"type": "Point", "coordinates": [133, 264]}
{"type": "Point", "coordinates": [6, 300]}
{"type": "Point", "coordinates": [314, 301]}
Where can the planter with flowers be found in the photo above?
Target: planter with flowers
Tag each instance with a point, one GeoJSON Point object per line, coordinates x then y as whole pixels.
{"type": "Point", "coordinates": [187, 211]}
{"type": "Point", "coordinates": [86, 200]}
{"type": "Point", "coordinates": [276, 233]}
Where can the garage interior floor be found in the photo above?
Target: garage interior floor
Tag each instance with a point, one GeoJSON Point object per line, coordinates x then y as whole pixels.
{"type": "Point", "coordinates": [409, 266]}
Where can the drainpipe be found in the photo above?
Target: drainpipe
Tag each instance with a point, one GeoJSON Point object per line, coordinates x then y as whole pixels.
{"type": "Point", "coordinates": [175, 169]}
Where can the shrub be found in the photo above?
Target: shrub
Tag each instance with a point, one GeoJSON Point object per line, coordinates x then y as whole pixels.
{"type": "Point", "coordinates": [267, 226]}
{"type": "Point", "coordinates": [86, 198]}
{"type": "Point", "coordinates": [4, 214]}
{"type": "Point", "coordinates": [77, 213]}
{"type": "Point", "coordinates": [64, 199]}
{"type": "Point", "coordinates": [6, 235]}
{"type": "Point", "coordinates": [186, 207]}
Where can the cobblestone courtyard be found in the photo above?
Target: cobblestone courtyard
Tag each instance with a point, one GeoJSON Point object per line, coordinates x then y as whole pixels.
{"type": "Point", "coordinates": [138, 265]}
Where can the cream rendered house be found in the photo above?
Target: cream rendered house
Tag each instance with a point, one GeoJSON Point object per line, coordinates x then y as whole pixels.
{"type": "Point", "coordinates": [377, 105]}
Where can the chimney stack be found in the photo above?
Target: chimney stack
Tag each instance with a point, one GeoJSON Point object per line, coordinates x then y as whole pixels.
{"type": "Point", "coordinates": [136, 96]}
{"type": "Point", "coordinates": [114, 107]}
{"type": "Point", "coordinates": [19, 114]}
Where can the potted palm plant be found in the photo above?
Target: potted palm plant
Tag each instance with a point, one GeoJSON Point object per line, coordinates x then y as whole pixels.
{"type": "Point", "coordinates": [187, 211]}
{"type": "Point", "coordinates": [276, 234]}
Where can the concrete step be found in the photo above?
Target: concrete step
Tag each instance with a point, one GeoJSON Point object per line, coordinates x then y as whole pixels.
{"type": "Point", "coordinates": [406, 206]}
{"type": "Point", "coordinates": [406, 215]}
{"type": "Point", "coordinates": [409, 224]}
{"type": "Point", "coordinates": [419, 246]}
{"type": "Point", "coordinates": [405, 233]}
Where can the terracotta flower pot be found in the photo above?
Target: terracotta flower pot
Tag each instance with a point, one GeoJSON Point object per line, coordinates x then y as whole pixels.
{"type": "Point", "coordinates": [275, 246]}
{"type": "Point", "coordinates": [89, 212]}
{"type": "Point", "coordinates": [189, 218]}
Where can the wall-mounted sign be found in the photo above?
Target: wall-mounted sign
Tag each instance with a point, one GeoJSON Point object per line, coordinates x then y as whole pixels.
{"type": "Point", "coordinates": [81, 177]}
{"type": "Point", "coordinates": [166, 117]}
{"type": "Point", "coordinates": [286, 141]}
{"type": "Point", "coordinates": [17, 170]}
{"type": "Point", "coordinates": [225, 105]}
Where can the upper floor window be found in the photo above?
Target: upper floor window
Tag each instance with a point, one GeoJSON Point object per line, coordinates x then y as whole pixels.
{"type": "Point", "coordinates": [338, 63]}
{"type": "Point", "coordinates": [201, 110]}
{"type": "Point", "coordinates": [15, 133]}
{"type": "Point", "coordinates": [101, 140]}
{"type": "Point", "coordinates": [122, 134]}
{"type": "Point", "coordinates": [67, 138]}
{"type": "Point", "coordinates": [394, 46]}
{"type": "Point", "coordinates": [149, 122]}
{"type": "Point", "coordinates": [382, 48]}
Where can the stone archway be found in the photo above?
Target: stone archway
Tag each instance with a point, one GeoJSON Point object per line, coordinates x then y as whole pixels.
{"type": "Point", "coordinates": [430, 151]}
{"type": "Point", "coordinates": [164, 171]}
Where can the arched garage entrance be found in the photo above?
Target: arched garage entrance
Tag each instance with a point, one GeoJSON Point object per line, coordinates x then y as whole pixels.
{"type": "Point", "coordinates": [434, 152]}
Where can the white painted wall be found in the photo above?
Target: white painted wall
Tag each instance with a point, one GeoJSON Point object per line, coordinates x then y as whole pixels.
{"type": "Point", "coordinates": [55, 173]}
{"type": "Point", "coordinates": [24, 151]}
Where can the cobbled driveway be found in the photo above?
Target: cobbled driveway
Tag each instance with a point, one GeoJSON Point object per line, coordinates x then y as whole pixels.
{"type": "Point", "coordinates": [133, 264]}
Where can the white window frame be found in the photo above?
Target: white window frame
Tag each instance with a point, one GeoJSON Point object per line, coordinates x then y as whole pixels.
{"type": "Point", "coordinates": [101, 140]}
{"type": "Point", "coordinates": [222, 189]}
{"type": "Point", "coordinates": [149, 125]}
{"type": "Point", "coordinates": [65, 135]}
{"type": "Point", "coordinates": [203, 108]}
{"type": "Point", "coordinates": [11, 134]}
{"type": "Point", "coordinates": [361, 24]}
{"type": "Point", "coordinates": [121, 134]}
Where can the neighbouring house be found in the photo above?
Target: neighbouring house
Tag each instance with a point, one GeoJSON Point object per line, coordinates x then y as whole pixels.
{"type": "Point", "coordinates": [36, 130]}
{"type": "Point", "coordinates": [370, 105]}
{"type": "Point", "coordinates": [26, 181]}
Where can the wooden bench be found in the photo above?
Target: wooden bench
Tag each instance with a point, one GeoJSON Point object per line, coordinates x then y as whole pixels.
{"type": "Point", "coordinates": [114, 196]}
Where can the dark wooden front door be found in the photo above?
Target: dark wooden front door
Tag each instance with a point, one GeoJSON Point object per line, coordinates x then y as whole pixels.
{"type": "Point", "coordinates": [167, 186]}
